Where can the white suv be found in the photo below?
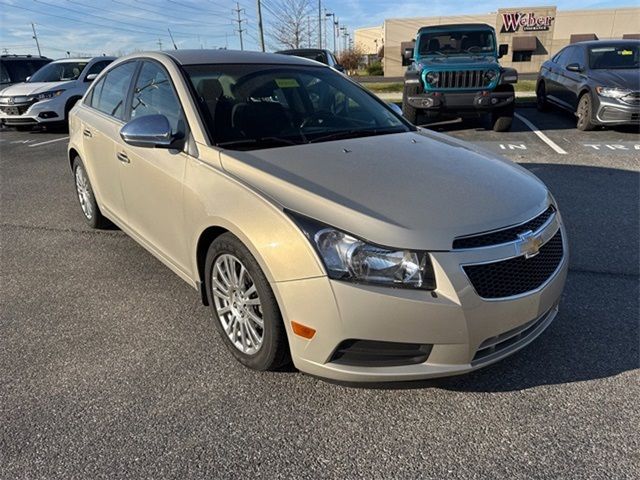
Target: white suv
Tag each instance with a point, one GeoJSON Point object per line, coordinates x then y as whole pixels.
{"type": "Point", "coordinates": [48, 95]}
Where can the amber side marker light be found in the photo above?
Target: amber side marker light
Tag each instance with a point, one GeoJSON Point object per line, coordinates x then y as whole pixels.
{"type": "Point", "coordinates": [303, 330]}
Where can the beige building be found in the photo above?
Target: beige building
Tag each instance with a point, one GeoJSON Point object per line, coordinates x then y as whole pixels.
{"type": "Point", "coordinates": [533, 34]}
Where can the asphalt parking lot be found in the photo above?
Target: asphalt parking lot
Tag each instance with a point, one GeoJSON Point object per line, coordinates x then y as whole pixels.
{"type": "Point", "coordinates": [111, 368]}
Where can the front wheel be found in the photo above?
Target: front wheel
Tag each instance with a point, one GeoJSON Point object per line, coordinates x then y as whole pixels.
{"type": "Point", "coordinates": [585, 114]}
{"type": "Point", "coordinates": [502, 118]}
{"type": "Point", "coordinates": [244, 306]}
{"type": "Point", "coordinates": [541, 98]}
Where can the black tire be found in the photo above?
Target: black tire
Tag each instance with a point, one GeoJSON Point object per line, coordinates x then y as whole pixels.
{"type": "Point", "coordinates": [409, 112]}
{"type": "Point", "coordinates": [502, 118]}
{"type": "Point", "coordinates": [92, 215]}
{"type": "Point", "coordinates": [584, 113]}
{"type": "Point", "coordinates": [274, 351]}
{"type": "Point", "coordinates": [541, 98]}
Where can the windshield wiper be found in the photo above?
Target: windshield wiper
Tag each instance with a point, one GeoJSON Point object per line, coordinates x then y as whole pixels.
{"type": "Point", "coordinates": [355, 133]}
{"type": "Point", "coordinates": [260, 141]}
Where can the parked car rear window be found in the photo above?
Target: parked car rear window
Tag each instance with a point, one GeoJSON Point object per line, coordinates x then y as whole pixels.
{"type": "Point", "coordinates": [110, 93]}
{"type": "Point", "coordinates": [57, 72]}
{"type": "Point", "coordinates": [15, 71]}
{"type": "Point", "coordinates": [614, 57]}
{"type": "Point", "coordinates": [285, 104]}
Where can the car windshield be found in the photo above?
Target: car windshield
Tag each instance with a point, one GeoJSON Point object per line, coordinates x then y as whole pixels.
{"type": "Point", "coordinates": [59, 71]}
{"type": "Point", "coordinates": [263, 106]}
{"type": "Point", "coordinates": [614, 57]}
{"type": "Point", "coordinates": [456, 43]}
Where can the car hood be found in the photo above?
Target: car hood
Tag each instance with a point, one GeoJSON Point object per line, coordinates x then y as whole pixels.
{"type": "Point", "coordinates": [470, 61]}
{"type": "Point", "coordinates": [621, 78]}
{"type": "Point", "coordinates": [415, 190]}
{"type": "Point", "coordinates": [32, 88]}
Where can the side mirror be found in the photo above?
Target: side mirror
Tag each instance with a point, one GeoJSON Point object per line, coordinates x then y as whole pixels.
{"type": "Point", "coordinates": [574, 67]}
{"type": "Point", "coordinates": [503, 49]}
{"type": "Point", "coordinates": [395, 108]}
{"type": "Point", "coordinates": [339, 68]}
{"type": "Point", "coordinates": [28, 78]}
{"type": "Point", "coordinates": [407, 56]}
{"type": "Point", "coordinates": [150, 131]}
{"type": "Point", "coordinates": [91, 77]}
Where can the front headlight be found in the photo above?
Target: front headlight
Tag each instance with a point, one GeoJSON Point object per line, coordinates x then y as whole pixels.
{"type": "Point", "coordinates": [490, 75]}
{"type": "Point", "coordinates": [432, 77]}
{"type": "Point", "coordinates": [352, 259]}
{"type": "Point", "coordinates": [612, 92]}
{"type": "Point", "coordinates": [51, 94]}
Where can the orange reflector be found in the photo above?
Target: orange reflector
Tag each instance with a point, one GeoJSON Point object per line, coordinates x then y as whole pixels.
{"type": "Point", "coordinates": [302, 330]}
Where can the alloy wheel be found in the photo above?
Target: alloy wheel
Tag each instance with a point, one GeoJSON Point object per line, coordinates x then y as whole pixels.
{"type": "Point", "coordinates": [83, 188]}
{"type": "Point", "coordinates": [237, 304]}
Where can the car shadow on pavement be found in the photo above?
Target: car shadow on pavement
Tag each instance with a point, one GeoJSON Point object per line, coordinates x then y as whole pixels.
{"type": "Point", "coordinates": [596, 333]}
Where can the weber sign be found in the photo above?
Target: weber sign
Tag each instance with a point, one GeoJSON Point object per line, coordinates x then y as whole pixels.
{"type": "Point", "coordinates": [528, 22]}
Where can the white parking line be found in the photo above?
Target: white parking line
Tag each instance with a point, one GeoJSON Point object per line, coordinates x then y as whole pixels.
{"type": "Point", "coordinates": [541, 135]}
{"type": "Point", "coordinates": [49, 141]}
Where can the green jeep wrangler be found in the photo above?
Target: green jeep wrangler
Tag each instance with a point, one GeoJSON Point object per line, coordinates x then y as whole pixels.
{"type": "Point", "coordinates": [455, 69]}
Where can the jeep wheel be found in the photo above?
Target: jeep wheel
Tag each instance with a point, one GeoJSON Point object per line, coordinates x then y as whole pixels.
{"type": "Point", "coordinates": [502, 118]}
{"type": "Point", "coordinates": [584, 113]}
{"type": "Point", "coordinates": [409, 112]}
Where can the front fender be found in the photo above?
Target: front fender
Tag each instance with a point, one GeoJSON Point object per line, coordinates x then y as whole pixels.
{"type": "Point", "coordinates": [213, 198]}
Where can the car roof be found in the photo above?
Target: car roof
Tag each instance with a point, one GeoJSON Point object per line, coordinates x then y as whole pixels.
{"type": "Point", "coordinates": [199, 57]}
{"type": "Point", "coordinates": [302, 50]}
{"type": "Point", "coordinates": [82, 59]}
{"type": "Point", "coordinates": [605, 43]}
{"type": "Point", "coordinates": [22, 57]}
{"type": "Point", "coordinates": [458, 27]}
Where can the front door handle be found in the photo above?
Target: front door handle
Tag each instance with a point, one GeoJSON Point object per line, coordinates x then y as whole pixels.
{"type": "Point", "coordinates": [123, 157]}
{"type": "Point", "coordinates": [87, 133]}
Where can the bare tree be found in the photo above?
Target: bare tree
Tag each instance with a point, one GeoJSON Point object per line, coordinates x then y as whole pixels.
{"type": "Point", "coordinates": [293, 27]}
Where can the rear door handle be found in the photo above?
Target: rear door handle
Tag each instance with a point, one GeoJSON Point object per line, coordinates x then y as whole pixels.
{"type": "Point", "coordinates": [123, 157]}
{"type": "Point", "coordinates": [87, 133]}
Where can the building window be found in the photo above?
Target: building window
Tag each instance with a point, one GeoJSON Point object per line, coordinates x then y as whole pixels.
{"type": "Point", "coordinates": [523, 56]}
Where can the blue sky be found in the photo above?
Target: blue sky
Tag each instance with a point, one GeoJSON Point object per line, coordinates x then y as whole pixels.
{"type": "Point", "coordinates": [85, 27]}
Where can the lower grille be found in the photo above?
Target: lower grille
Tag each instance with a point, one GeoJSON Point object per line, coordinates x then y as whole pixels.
{"type": "Point", "coordinates": [15, 109]}
{"type": "Point", "coordinates": [369, 353]}
{"type": "Point", "coordinates": [462, 79]}
{"type": "Point", "coordinates": [498, 345]}
{"type": "Point", "coordinates": [516, 275]}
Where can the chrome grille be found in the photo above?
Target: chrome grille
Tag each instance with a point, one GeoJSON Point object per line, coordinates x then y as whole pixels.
{"type": "Point", "coordinates": [505, 235]}
{"type": "Point", "coordinates": [461, 79]}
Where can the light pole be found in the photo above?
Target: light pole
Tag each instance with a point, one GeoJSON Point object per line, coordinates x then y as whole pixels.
{"type": "Point", "coordinates": [334, 23]}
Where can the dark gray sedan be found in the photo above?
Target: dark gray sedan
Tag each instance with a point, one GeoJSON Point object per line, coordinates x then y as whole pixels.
{"type": "Point", "coordinates": [599, 81]}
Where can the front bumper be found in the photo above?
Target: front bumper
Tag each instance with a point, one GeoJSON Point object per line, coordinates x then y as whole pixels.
{"type": "Point", "coordinates": [32, 113]}
{"type": "Point", "coordinates": [461, 101]}
{"type": "Point", "coordinates": [464, 332]}
{"type": "Point", "coordinates": [610, 111]}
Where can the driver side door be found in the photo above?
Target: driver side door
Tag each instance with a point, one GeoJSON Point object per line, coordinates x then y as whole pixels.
{"type": "Point", "coordinates": [152, 178]}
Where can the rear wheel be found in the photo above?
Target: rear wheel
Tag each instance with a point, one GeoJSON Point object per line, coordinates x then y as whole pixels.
{"type": "Point", "coordinates": [541, 98]}
{"type": "Point", "coordinates": [585, 114]}
{"type": "Point", "coordinates": [244, 306]}
{"type": "Point", "coordinates": [409, 112]}
{"type": "Point", "coordinates": [86, 197]}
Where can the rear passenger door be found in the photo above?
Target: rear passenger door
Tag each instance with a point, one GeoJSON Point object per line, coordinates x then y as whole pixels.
{"type": "Point", "coordinates": [101, 118]}
{"type": "Point", "coordinates": [152, 178]}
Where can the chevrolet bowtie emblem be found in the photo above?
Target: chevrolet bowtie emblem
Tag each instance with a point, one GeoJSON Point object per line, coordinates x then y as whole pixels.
{"type": "Point", "coordinates": [530, 243]}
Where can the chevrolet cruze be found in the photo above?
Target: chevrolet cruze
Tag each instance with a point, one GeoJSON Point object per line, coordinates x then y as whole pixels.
{"type": "Point", "coordinates": [319, 225]}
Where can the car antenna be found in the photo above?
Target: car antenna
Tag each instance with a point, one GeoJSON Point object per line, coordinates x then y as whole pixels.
{"type": "Point", "coordinates": [172, 40]}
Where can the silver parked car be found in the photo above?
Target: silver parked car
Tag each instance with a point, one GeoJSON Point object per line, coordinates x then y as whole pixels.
{"type": "Point", "coordinates": [318, 224]}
